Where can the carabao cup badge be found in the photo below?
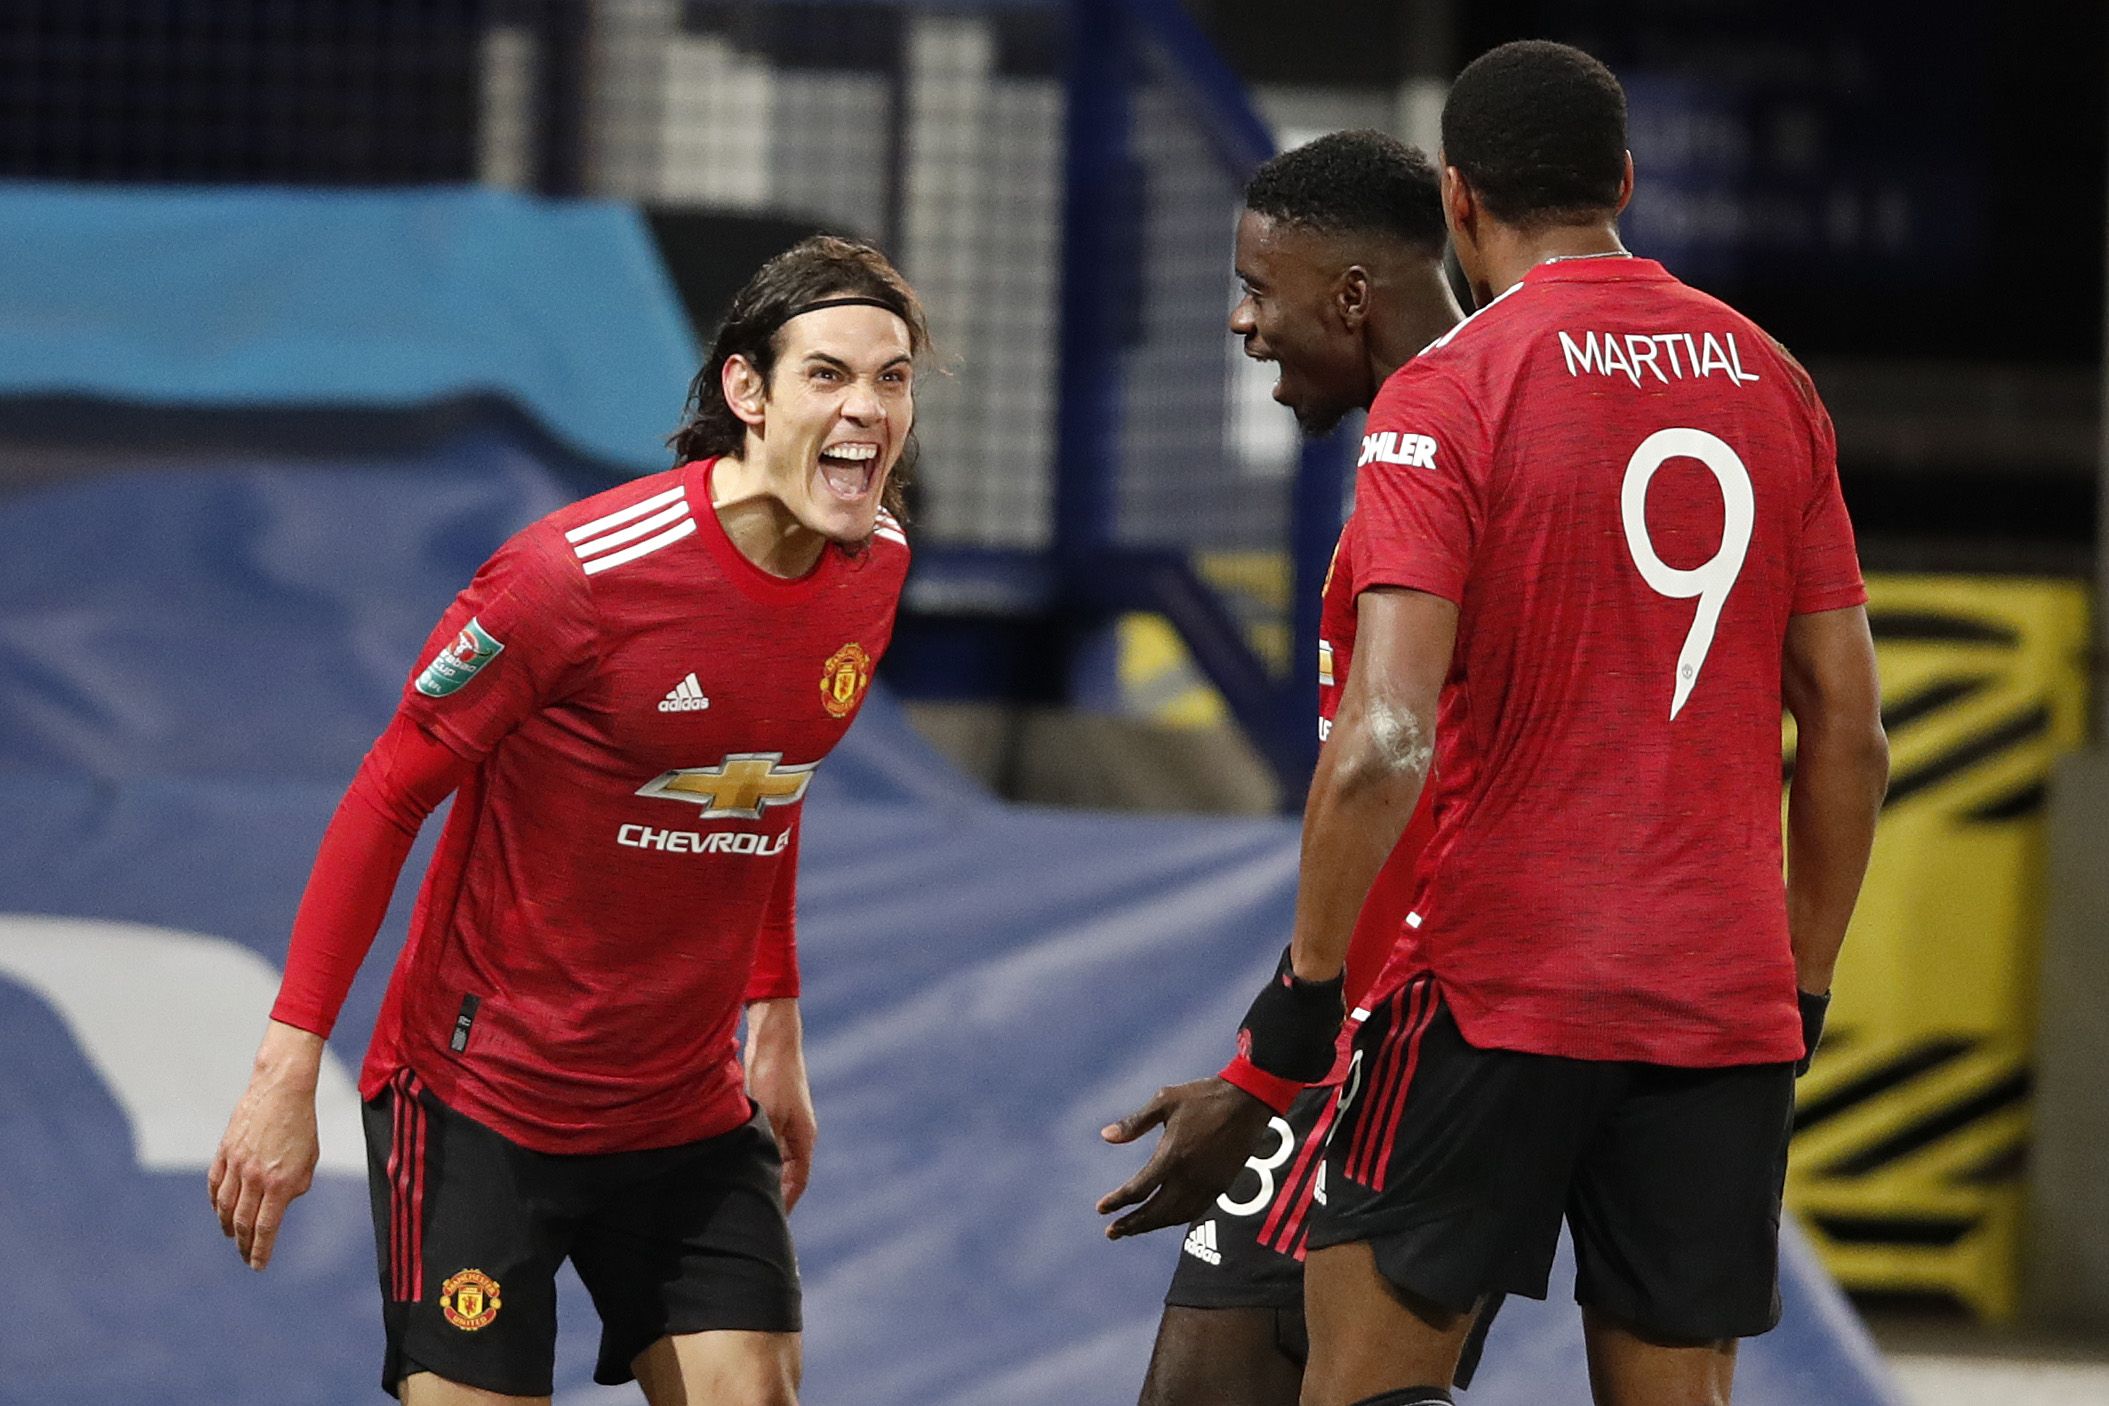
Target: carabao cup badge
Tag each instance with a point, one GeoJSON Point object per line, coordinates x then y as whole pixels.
{"type": "Point", "coordinates": [469, 1300]}
{"type": "Point", "coordinates": [843, 680]}
{"type": "Point", "coordinates": [459, 662]}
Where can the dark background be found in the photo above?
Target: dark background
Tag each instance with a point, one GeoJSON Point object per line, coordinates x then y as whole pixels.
{"type": "Point", "coordinates": [1986, 116]}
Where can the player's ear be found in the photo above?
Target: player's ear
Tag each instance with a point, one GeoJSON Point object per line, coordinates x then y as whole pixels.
{"type": "Point", "coordinates": [1351, 296]}
{"type": "Point", "coordinates": [1625, 185]}
{"type": "Point", "coordinates": [745, 390]}
{"type": "Point", "coordinates": [1460, 204]}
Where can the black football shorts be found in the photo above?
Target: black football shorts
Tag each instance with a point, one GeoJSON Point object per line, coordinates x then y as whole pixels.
{"type": "Point", "coordinates": [1457, 1164]}
{"type": "Point", "coordinates": [1246, 1250]}
{"type": "Point", "coordinates": [471, 1228]}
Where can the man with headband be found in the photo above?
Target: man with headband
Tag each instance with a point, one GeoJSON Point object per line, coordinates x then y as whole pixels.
{"type": "Point", "coordinates": [627, 702]}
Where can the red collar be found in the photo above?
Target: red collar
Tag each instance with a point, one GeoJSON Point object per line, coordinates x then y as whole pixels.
{"type": "Point", "coordinates": [1609, 268]}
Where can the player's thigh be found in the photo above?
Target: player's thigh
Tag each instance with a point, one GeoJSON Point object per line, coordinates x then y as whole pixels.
{"type": "Point", "coordinates": [1450, 1162]}
{"type": "Point", "coordinates": [1368, 1336]}
{"type": "Point", "coordinates": [1676, 1203]}
{"type": "Point", "coordinates": [721, 1368]}
{"type": "Point", "coordinates": [427, 1389]}
{"type": "Point", "coordinates": [470, 1229]}
{"type": "Point", "coordinates": [694, 1243]}
{"type": "Point", "coordinates": [1628, 1368]}
{"type": "Point", "coordinates": [1226, 1357]}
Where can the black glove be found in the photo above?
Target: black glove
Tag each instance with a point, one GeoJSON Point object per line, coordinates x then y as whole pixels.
{"type": "Point", "coordinates": [1292, 1024]}
{"type": "Point", "coordinates": [1812, 1012]}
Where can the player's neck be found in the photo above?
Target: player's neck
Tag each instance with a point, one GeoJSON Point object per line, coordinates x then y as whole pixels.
{"type": "Point", "coordinates": [1508, 253]}
{"type": "Point", "coordinates": [1424, 311]}
{"type": "Point", "coordinates": [760, 526]}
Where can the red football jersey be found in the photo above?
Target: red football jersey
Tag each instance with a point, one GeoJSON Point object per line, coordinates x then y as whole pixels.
{"type": "Point", "coordinates": [1383, 941]}
{"type": "Point", "coordinates": [646, 708]}
{"type": "Point", "coordinates": [1627, 488]}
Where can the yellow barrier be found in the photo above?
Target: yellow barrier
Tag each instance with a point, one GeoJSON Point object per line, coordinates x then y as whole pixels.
{"type": "Point", "coordinates": [1912, 1125]}
{"type": "Point", "coordinates": [1159, 679]}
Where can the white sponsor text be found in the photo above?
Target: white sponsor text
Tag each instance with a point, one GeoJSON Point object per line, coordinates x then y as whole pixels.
{"type": "Point", "coordinates": [690, 842]}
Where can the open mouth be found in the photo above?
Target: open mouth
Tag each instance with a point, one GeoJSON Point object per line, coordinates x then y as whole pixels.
{"type": "Point", "coordinates": [848, 469]}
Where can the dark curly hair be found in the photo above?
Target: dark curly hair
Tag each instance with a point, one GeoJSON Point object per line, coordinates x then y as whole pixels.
{"type": "Point", "coordinates": [825, 266]}
{"type": "Point", "coordinates": [1354, 183]}
{"type": "Point", "coordinates": [1539, 131]}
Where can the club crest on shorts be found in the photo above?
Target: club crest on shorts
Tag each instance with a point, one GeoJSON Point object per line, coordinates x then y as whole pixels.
{"type": "Point", "coordinates": [470, 1300]}
{"type": "Point", "coordinates": [843, 679]}
{"type": "Point", "coordinates": [459, 662]}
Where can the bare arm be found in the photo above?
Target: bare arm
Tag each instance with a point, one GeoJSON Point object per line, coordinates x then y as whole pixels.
{"type": "Point", "coordinates": [776, 1079]}
{"type": "Point", "coordinates": [1841, 770]}
{"type": "Point", "coordinates": [1369, 776]}
{"type": "Point", "coordinates": [1372, 767]}
{"type": "Point", "coordinates": [268, 1155]}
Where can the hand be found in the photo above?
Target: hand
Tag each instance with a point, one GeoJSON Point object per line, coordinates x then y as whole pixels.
{"type": "Point", "coordinates": [776, 1079]}
{"type": "Point", "coordinates": [267, 1156]}
{"type": "Point", "coordinates": [1210, 1129]}
{"type": "Point", "coordinates": [1813, 1007]}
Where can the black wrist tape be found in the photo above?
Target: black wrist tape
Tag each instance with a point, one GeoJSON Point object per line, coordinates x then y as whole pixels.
{"type": "Point", "coordinates": [1292, 1024]}
{"type": "Point", "coordinates": [1813, 1009]}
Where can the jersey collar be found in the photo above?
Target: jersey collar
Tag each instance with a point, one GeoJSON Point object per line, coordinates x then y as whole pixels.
{"type": "Point", "coordinates": [1630, 269]}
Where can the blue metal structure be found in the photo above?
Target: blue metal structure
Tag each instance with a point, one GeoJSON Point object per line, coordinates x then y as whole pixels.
{"type": "Point", "coordinates": [1112, 42]}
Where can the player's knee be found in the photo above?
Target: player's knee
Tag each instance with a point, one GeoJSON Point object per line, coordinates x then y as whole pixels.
{"type": "Point", "coordinates": [1409, 1396]}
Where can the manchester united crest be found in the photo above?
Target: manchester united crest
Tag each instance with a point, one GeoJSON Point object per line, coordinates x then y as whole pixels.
{"type": "Point", "coordinates": [843, 680]}
{"type": "Point", "coordinates": [469, 1300]}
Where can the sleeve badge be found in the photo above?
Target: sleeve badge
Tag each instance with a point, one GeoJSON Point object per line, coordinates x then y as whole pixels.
{"type": "Point", "coordinates": [459, 662]}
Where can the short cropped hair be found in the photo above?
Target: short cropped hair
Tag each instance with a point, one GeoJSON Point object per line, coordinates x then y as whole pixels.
{"type": "Point", "coordinates": [1353, 183]}
{"type": "Point", "coordinates": [1539, 132]}
{"type": "Point", "coordinates": [822, 267]}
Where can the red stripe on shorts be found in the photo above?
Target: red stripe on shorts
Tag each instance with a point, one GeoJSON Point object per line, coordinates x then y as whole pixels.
{"type": "Point", "coordinates": [1412, 1007]}
{"type": "Point", "coordinates": [406, 1188]}
{"type": "Point", "coordinates": [1378, 1074]}
{"type": "Point", "coordinates": [1397, 1106]}
{"type": "Point", "coordinates": [395, 1189]}
{"type": "Point", "coordinates": [1301, 1190]}
{"type": "Point", "coordinates": [417, 1196]}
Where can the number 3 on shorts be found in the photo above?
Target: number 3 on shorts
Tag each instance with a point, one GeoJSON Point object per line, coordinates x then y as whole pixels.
{"type": "Point", "coordinates": [1285, 1143]}
{"type": "Point", "coordinates": [1711, 581]}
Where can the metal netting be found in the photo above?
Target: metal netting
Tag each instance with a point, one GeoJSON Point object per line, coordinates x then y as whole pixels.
{"type": "Point", "coordinates": [1182, 479]}
{"type": "Point", "coordinates": [296, 92]}
{"type": "Point", "coordinates": [911, 127]}
{"type": "Point", "coordinates": [941, 133]}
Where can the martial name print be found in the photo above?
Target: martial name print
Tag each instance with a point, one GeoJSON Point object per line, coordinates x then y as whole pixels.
{"type": "Point", "coordinates": [1664, 355]}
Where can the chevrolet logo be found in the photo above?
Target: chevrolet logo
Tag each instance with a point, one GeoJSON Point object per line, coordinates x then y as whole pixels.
{"type": "Point", "coordinates": [737, 787]}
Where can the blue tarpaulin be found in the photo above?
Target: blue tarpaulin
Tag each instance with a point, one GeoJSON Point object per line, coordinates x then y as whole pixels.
{"type": "Point", "coordinates": [191, 664]}
{"type": "Point", "coordinates": [246, 297]}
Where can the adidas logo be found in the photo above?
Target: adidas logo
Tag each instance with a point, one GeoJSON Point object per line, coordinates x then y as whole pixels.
{"type": "Point", "coordinates": [1201, 1243]}
{"type": "Point", "coordinates": [686, 697]}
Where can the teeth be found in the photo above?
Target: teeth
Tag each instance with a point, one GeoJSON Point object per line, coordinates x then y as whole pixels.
{"type": "Point", "coordinates": [852, 451]}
